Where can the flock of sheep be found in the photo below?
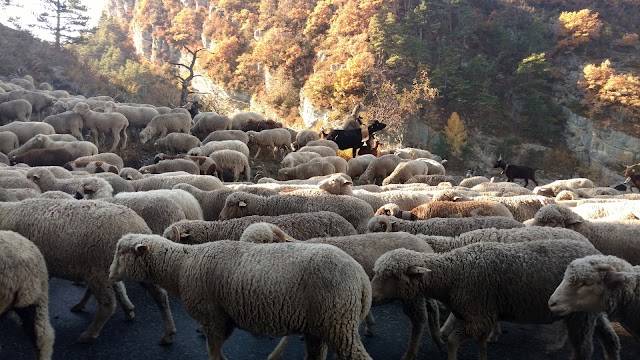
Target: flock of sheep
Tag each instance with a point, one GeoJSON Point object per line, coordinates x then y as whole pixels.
{"type": "Point", "coordinates": [306, 253]}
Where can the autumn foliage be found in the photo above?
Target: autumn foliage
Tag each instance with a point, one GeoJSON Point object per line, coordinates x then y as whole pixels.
{"type": "Point", "coordinates": [577, 28]}
{"type": "Point", "coordinates": [606, 89]}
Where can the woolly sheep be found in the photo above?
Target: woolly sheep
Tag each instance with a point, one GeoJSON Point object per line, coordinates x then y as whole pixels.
{"type": "Point", "coordinates": [473, 181]}
{"type": "Point", "coordinates": [39, 102]}
{"type": "Point", "coordinates": [297, 158]}
{"type": "Point", "coordinates": [158, 212]}
{"type": "Point", "coordinates": [26, 130]}
{"type": "Point", "coordinates": [598, 283]}
{"type": "Point", "coordinates": [273, 139]}
{"type": "Point", "coordinates": [357, 165]}
{"type": "Point", "coordinates": [610, 238]}
{"type": "Point", "coordinates": [208, 122]}
{"type": "Point", "coordinates": [466, 280]}
{"type": "Point", "coordinates": [177, 143]}
{"type": "Point", "coordinates": [128, 173]}
{"type": "Point", "coordinates": [379, 169]}
{"type": "Point", "coordinates": [163, 181]}
{"type": "Point", "coordinates": [43, 157]}
{"type": "Point", "coordinates": [163, 166]}
{"type": "Point", "coordinates": [92, 167]}
{"type": "Point", "coordinates": [213, 146]}
{"type": "Point", "coordinates": [304, 137]}
{"type": "Point", "coordinates": [17, 183]}
{"type": "Point", "coordinates": [7, 195]}
{"type": "Point", "coordinates": [117, 183]}
{"type": "Point", "coordinates": [76, 148]}
{"type": "Point", "coordinates": [65, 233]}
{"type": "Point", "coordinates": [413, 153]}
{"type": "Point", "coordinates": [46, 87]}
{"type": "Point", "coordinates": [365, 249]}
{"type": "Point", "coordinates": [324, 142]}
{"type": "Point", "coordinates": [62, 137]}
{"type": "Point", "coordinates": [161, 125]}
{"type": "Point", "coordinates": [338, 163]}
{"type": "Point", "coordinates": [104, 123]}
{"type": "Point", "coordinates": [15, 110]}
{"type": "Point", "coordinates": [23, 83]}
{"type": "Point", "coordinates": [47, 182]}
{"type": "Point", "coordinates": [440, 226]}
{"type": "Point", "coordinates": [206, 164]}
{"type": "Point", "coordinates": [138, 116]}
{"type": "Point", "coordinates": [305, 171]}
{"type": "Point", "coordinates": [553, 188]}
{"type": "Point", "coordinates": [321, 150]}
{"type": "Point", "coordinates": [111, 158]}
{"type": "Point", "coordinates": [432, 180]}
{"type": "Point", "coordinates": [24, 289]}
{"type": "Point", "coordinates": [406, 170]}
{"type": "Point", "coordinates": [239, 120]}
{"type": "Point", "coordinates": [302, 226]}
{"type": "Point", "coordinates": [67, 122]}
{"type": "Point", "coordinates": [472, 208]}
{"type": "Point", "coordinates": [59, 94]}
{"type": "Point", "coordinates": [8, 142]}
{"type": "Point", "coordinates": [239, 204]}
{"type": "Point", "coordinates": [619, 210]}
{"type": "Point", "coordinates": [227, 135]}
{"type": "Point", "coordinates": [340, 292]}
{"type": "Point", "coordinates": [523, 207]}
{"type": "Point", "coordinates": [187, 202]}
{"type": "Point", "coordinates": [232, 161]}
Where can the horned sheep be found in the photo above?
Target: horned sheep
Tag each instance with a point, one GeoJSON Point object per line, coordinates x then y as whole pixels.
{"type": "Point", "coordinates": [65, 233]}
{"type": "Point", "coordinates": [300, 269]}
{"type": "Point", "coordinates": [610, 238]}
{"type": "Point", "coordinates": [103, 124]}
{"type": "Point", "coordinates": [177, 143]}
{"type": "Point", "coordinates": [483, 296]}
{"type": "Point", "coordinates": [161, 125]}
{"type": "Point", "coordinates": [24, 289]}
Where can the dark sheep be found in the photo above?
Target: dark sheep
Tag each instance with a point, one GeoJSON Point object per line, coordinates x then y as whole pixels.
{"type": "Point", "coordinates": [44, 157]}
{"type": "Point", "coordinates": [353, 139]}
{"type": "Point", "coordinates": [259, 125]}
{"type": "Point", "coordinates": [517, 172]}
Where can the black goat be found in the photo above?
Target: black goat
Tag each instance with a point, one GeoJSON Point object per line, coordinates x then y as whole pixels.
{"type": "Point", "coordinates": [352, 139]}
{"type": "Point", "coordinates": [516, 172]}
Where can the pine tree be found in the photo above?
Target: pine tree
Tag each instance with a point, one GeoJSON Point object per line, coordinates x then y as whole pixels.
{"type": "Point", "coordinates": [456, 134]}
{"type": "Point", "coordinates": [63, 18]}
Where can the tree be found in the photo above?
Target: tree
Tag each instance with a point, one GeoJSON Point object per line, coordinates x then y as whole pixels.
{"type": "Point", "coordinates": [456, 134]}
{"type": "Point", "coordinates": [577, 28]}
{"type": "Point", "coordinates": [185, 80]}
{"type": "Point", "coordinates": [63, 18]}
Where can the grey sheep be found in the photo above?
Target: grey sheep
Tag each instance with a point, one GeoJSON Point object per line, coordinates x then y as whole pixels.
{"type": "Point", "coordinates": [213, 146]}
{"type": "Point", "coordinates": [177, 143]}
{"type": "Point", "coordinates": [297, 158]}
{"type": "Point", "coordinates": [366, 249]}
{"type": "Point", "coordinates": [40, 141]}
{"type": "Point", "coordinates": [103, 124]}
{"type": "Point", "coordinates": [161, 125]}
{"type": "Point", "coordinates": [158, 212]}
{"type": "Point", "coordinates": [67, 122]}
{"type": "Point", "coordinates": [138, 116]}
{"type": "Point", "coordinates": [357, 165]}
{"type": "Point", "coordinates": [206, 164]}
{"type": "Point", "coordinates": [208, 122]}
{"type": "Point", "coordinates": [272, 140]}
{"type": "Point", "coordinates": [304, 136]}
{"type": "Point", "coordinates": [222, 135]}
{"type": "Point", "coordinates": [111, 158]}
{"type": "Point", "coordinates": [163, 181]}
{"type": "Point", "coordinates": [39, 102]}
{"type": "Point", "coordinates": [306, 171]}
{"type": "Point", "coordinates": [232, 161]}
{"type": "Point", "coordinates": [8, 142]}
{"type": "Point", "coordinates": [379, 169]}
{"type": "Point", "coordinates": [24, 288]}
{"type": "Point", "coordinates": [23, 83]}
{"type": "Point", "coordinates": [482, 284]}
{"type": "Point", "coordinates": [287, 284]}
{"type": "Point", "coordinates": [610, 238]}
{"type": "Point", "coordinates": [15, 110]}
{"type": "Point", "coordinates": [26, 130]}
{"type": "Point", "coordinates": [94, 188]}
{"type": "Point", "coordinates": [163, 166]}
{"type": "Point", "coordinates": [440, 226]}
{"type": "Point", "coordinates": [598, 283]}
{"type": "Point", "coordinates": [302, 226]}
{"type": "Point", "coordinates": [187, 202]}
{"type": "Point", "coordinates": [240, 204]}
{"type": "Point", "coordinates": [65, 233]}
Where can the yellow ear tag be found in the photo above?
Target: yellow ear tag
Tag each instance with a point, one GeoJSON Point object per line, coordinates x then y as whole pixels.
{"type": "Point", "coordinates": [242, 204]}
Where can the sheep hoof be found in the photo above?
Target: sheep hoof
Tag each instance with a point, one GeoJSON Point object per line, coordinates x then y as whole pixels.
{"type": "Point", "coordinates": [166, 340]}
{"type": "Point", "coordinates": [368, 333]}
{"type": "Point", "coordinates": [128, 316]}
{"type": "Point", "coordinates": [77, 308]}
{"type": "Point", "coordinates": [85, 338]}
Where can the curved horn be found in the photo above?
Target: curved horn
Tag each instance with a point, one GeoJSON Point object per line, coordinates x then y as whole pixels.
{"type": "Point", "coordinates": [386, 223]}
{"type": "Point", "coordinates": [175, 232]}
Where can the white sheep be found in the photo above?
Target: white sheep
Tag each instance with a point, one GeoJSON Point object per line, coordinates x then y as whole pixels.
{"type": "Point", "coordinates": [39, 102]}
{"type": "Point", "coordinates": [406, 170]}
{"type": "Point", "coordinates": [103, 124]}
{"type": "Point", "coordinates": [26, 130]}
{"type": "Point", "coordinates": [163, 166]}
{"type": "Point", "coordinates": [482, 284]}
{"type": "Point", "coordinates": [15, 110]}
{"type": "Point", "coordinates": [8, 142]}
{"type": "Point", "coordinates": [611, 211]}
{"type": "Point", "coordinates": [379, 169]}
{"type": "Point", "coordinates": [324, 142]}
{"type": "Point", "coordinates": [287, 285]}
{"type": "Point", "coordinates": [111, 158]}
{"type": "Point", "coordinates": [272, 140]}
{"type": "Point", "coordinates": [598, 283]}
{"type": "Point", "coordinates": [297, 158]}
{"type": "Point", "coordinates": [93, 188]}
{"type": "Point", "coordinates": [553, 188]}
{"type": "Point", "coordinates": [92, 167]}
{"type": "Point", "coordinates": [138, 116]}
{"type": "Point", "coordinates": [210, 147]}
{"type": "Point", "coordinates": [232, 161]}
{"type": "Point", "coordinates": [187, 202]}
{"type": "Point", "coordinates": [448, 227]}
{"type": "Point", "coordinates": [610, 238]}
{"type": "Point", "coordinates": [240, 204]}
{"type": "Point", "coordinates": [24, 287]}
{"type": "Point", "coordinates": [319, 149]}
{"type": "Point", "coordinates": [129, 173]}
{"type": "Point", "coordinates": [177, 143]}
{"type": "Point", "coordinates": [239, 120]}
{"type": "Point", "coordinates": [67, 122]}
{"type": "Point", "coordinates": [357, 165]}
{"type": "Point", "coordinates": [473, 181]}
{"type": "Point", "coordinates": [158, 212]}
{"type": "Point", "coordinates": [433, 180]}
{"type": "Point", "coordinates": [306, 171]}
{"type": "Point", "coordinates": [304, 136]}
{"type": "Point", "coordinates": [338, 162]}
{"type": "Point", "coordinates": [163, 124]}
{"type": "Point", "coordinates": [167, 181]}
{"type": "Point", "coordinates": [221, 135]}
{"type": "Point", "coordinates": [65, 233]}
{"type": "Point", "coordinates": [208, 122]}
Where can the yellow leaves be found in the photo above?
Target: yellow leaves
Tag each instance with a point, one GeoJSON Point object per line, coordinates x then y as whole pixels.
{"type": "Point", "coordinates": [456, 134]}
{"type": "Point", "coordinates": [577, 28]}
{"type": "Point", "coordinates": [606, 88]}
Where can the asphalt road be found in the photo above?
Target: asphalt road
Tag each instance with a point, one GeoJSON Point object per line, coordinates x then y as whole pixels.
{"type": "Point", "coordinates": [138, 339]}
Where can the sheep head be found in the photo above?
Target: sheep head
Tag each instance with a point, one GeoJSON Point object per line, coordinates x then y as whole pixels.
{"type": "Point", "coordinates": [81, 109]}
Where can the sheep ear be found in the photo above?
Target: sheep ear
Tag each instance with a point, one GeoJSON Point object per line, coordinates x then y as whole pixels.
{"type": "Point", "coordinates": [347, 183]}
{"type": "Point", "coordinates": [572, 221]}
{"type": "Point", "coordinates": [242, 204]}
{"type": "Point", "coordinates": [603, 267]}
{"type": "Point", "coordinates": [36, 177]}
{"type": "Point", "coordinates": [417, 270]}
{"type": "Point", "coordinates": [615, 277]}
{"type": "Point", "coordinates": [141, 249]}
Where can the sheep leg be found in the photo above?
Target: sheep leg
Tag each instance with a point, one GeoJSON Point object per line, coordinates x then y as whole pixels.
{"type": "Point", "coordinates": [559, 339]}
{"type": "Point", "coordinates": [83, 302]}
{"type": "Point", "coordinates": [463, 334]}
{"type": "Point", "coordinates": [161, 298]}
{"type": "Point", "coordinates": [123, 300]}
{"type": "Point", "coordinates": [416, 311]}
{"type": "Point", "coordinates": [495, 333]}
{"type": "Point", "coordinates": [607, 337]}
{"type": "Point", "coordinates": [447, 328]}
{"type": "Point", "coordinates": [277, 352]}
{"type": "Point", "coordinates": [433, 316]}
{"type": "Point", "coordinates": [257, 152]}
{"type": "Point", "coordinates": [106, 298]}
{"type": "Point", "coordinates": [580, 326]}
{"type": "Point", "coordinates": [35, 322]}
{"type": "Point", "coordinates": [124, 139]}
{"type": "Point", "coordinates": [116, 140]}
{"type": "Point", "coordinates": [369, 322]}
{"type": "Point", "coordinates": [315, 348]}
{"type": "Point", "coordinates": [216, 335]}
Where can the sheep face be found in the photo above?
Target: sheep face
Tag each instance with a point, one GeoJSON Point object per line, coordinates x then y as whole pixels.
{"type": "Point", "coordinates": [586, 286]}
{"type": "Point", "coordinates": [81, 109]}
{"type": "Point", "coordinates": [145, 135]}
{"type": "Point", "coordinates": [235, 206]}
{"type": "Point", "coordinates": [127, 261]}
{"type": "Point", "coordinates": [556, 216]}
{"type": "Point", "coordinates": [398, 281]}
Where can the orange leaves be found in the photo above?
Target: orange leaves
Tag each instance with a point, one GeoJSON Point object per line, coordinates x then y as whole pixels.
{"type": "Point", "coordinates": [607, 88]}
{"type": "Point", "coordinates": [577, 28]}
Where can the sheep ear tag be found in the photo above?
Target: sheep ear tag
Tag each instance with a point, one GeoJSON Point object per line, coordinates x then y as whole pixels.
{"type": "Point", "coordinates": [141, 249]}
{"type": "Point", "coordinates": [242, 204]}
{"type": "Point", "coordinates": [417, 270]}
